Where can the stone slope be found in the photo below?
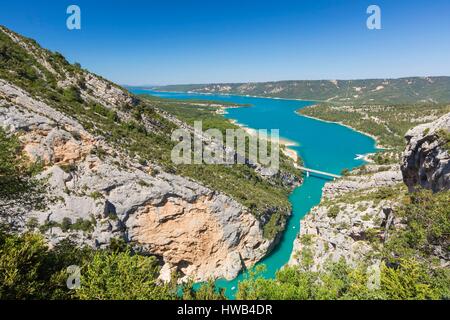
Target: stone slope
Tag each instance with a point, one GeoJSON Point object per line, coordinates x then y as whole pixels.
{"type": "Point", "coordinates": [356, 212]}
{"type": "Point", "coordinates": [426, 160]}
{"type": "Point", "coordinates": [98, 191]}
{"type": "Point", "coordinates": [198, 231]}
{"type": "Point", "coordinates": [348, 218]}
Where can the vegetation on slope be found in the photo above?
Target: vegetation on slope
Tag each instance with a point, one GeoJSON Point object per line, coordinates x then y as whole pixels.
{"type": "Point", "coordinates": [410, 280]}
{"type": "Point", "coordinates": [240, 181]}
{"type": "Point", "coordinates": [383, 91]}
{"type": "Point", "coordinates": [123, 128]}
{"type": "Point", "coordinates": [29, 270]}
{"type": "Point", "coordinates": [409, 268]}
{"type": "Point", "coordinates": [208, 113]}
{"type": "Point", "coordinates": [19, 190]}
{"type": "Point", "coordinates": [388, 123]}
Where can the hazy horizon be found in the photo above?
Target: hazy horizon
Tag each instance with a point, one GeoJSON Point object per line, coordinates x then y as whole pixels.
{"type": "Point", "coordinates": [147, 86]}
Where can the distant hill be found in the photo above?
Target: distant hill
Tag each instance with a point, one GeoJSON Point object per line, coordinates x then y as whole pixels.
{"type": "Point", "coordinates": [403, 90]}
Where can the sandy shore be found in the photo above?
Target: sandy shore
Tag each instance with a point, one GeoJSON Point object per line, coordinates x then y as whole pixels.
{"type": "Point", "coordinates": [286, 143]}
{"type": "Point", "coordinates": [289, 152]}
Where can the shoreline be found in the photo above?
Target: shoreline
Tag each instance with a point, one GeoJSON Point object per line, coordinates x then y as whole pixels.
{"type": "Point", "coordinates": [289, 152]}
{"type": "Point", "coordinates": [286, 143]}
{"type": "Point", "coordinates": [376, 139]}
{"type": "Point", "coordinates": [291, 227]}
{"type": "Point", "coordinates": [235, 94]}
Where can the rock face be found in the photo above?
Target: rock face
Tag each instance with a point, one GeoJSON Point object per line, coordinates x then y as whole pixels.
{"type": "Point", "coordinates": [426, 160]}
{"type": "Point", "coordinates": [192, 229]}
{"type": "Point", "coordinates": [371, 178]}
{"type": "Point", "coordinates": [354, 210]}
{"type": "Point", "coordinates": [348, 218]}
{"type": "Point", "coordinates": [197, 236]}
{"type": "Point", "coordinates": [98, 192]}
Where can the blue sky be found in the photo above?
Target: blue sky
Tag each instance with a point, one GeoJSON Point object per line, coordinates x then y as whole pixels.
{"type": "Point", "coordinates": [163, 42]}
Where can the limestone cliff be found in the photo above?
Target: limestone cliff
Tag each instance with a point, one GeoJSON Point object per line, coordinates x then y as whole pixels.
{"type": "Point", "coordinates": [359, 212]}
{"type": "Point", "coordinates": [199, 231]}
{"type": "Point", "coordinates": [99, 191]}
{"type": "Point", "coordinates": [351, 215]}
{"type": "Point", "coordinates": [426, 160]}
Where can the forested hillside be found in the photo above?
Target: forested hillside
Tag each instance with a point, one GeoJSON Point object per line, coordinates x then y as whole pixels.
{"type": "Point", "coordinates": [380, 91]}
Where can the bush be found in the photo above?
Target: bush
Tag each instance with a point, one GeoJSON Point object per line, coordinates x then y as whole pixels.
{"type": "Point", "coordinates": [445, 137]}
{"type": "Point", "coordinates": [21, 260]}
{"type": "Point", "coordinates": [333, 211]}
{"type": "Point", "coordinates": [409, 280]}
{"type": "Point", "coordinates": [96, 195]}
{"type": "Point", "coordinates": [29, 270]}
{"type": "Point", "coordinates": [20, 192]}
{"type": "Point", "coordinates": [82, 225]}
{"type": "Point", "coordinates": [66, 224]}
{"type": "Point", "coordinates": [123, 276]}
{"type": "Point", "coordinates": [72, 94]}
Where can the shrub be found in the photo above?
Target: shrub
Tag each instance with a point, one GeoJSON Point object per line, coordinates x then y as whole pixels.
{"type": "Point", "coordinates": [333, 211]}
{"type": "Point", "coordinates": [445, 137]}
{"type": "Point", "coordinates": [96, 195]}
{"type": "Point", "coordinates": [68, 168]}
{"type": "Point", "coordinates": [20, 192]}
{"type": "Point", "coordinates": [72, 94]}
{"type": "Point", "coordinates": [66, 224]}
{"type": "Point", "coordinates": [82, 225]}
{"type": "Point", "coordinates": [123, 276]}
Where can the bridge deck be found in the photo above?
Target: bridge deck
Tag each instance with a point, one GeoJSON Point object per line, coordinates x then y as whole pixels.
{"type": "Point", "coordinates": [320, 172]}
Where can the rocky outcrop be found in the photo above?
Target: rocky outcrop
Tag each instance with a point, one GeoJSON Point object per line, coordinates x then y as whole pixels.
{"type": "Point", "coordinates": [197, 236]}
{"type": "Point", "coordinates": [349, 219]}
{"type": "Point", "coordinates": [99, 196]}
{"type": "Point", "coordinates": [371, 177]}
{"type": "Point", "coordinates": [100, 189]}
{"type": "Point", "coordinates": [426, 160]}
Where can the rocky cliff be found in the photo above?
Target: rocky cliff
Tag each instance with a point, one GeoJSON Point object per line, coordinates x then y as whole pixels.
{"type": "Point", "coordinates": [99, 190]}
{"type": "Point", "coordinates": [426, 160]}
{"type": "Point", "coordinates": [352, 214]}
{"type": "Point", "coordinates": [199, 231]}
{"type": "Point", "coordinates": [360, 212]}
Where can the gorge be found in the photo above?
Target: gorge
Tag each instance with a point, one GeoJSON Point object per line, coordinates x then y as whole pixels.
{"type": "Point", "coordinates": [98, 156]}
{"type": "Point", "coordinates": [322, 146]}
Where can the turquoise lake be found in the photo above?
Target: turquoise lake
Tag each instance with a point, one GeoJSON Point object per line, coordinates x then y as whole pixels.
{"type": "Point", "coordinates": [323, 146]}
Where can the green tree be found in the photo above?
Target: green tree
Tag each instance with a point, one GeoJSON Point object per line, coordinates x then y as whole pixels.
{"type": "Point", "coordinates": [122, 276]}
{"type": "Point", "coordinates": [204, 291]}
{"type": "Point", "coordinates": [21, 258]}
{"type": "Point", "coordinates": [29, 270]}
{"type": "Point", "coordinates": [410, 280]}
{"type": "Point", "coordinates": [19, 190]}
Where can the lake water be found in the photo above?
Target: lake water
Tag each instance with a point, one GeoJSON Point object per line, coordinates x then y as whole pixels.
{"type": "Point", "coordinates": [323, 146]}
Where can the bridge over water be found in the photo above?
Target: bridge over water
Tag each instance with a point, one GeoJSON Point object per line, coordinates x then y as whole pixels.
{"type": "Point", "coordinates": [323, 173]}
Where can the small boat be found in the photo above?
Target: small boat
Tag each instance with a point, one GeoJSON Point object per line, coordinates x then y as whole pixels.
{"type": "Point", "coordinates": [359, 156]}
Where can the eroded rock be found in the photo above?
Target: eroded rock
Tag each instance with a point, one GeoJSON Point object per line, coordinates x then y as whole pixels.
{"type": "Point", "coordinates": [426, 160]}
